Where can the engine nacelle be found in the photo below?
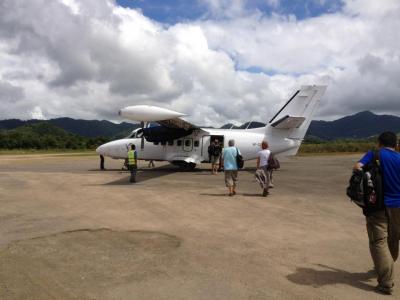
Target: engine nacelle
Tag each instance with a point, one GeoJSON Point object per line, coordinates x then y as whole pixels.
{"type": "Point", "coordinates": [148, 113]}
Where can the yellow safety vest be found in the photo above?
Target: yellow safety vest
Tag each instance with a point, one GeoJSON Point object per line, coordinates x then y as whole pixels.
{"type": "Point", "coordinates": [132, 157]}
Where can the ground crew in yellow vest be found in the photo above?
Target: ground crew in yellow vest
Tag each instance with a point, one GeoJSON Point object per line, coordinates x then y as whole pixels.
{"type": "Point", "coordinates": [132, 163]}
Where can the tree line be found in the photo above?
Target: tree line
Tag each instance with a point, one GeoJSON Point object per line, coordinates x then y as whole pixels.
{"type": "Point", "coordinates": [46, 136]}
{"type": "Point", "coordinates": [316, 145]}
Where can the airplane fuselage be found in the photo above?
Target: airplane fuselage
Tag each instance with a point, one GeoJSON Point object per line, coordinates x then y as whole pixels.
{"type": "Point", "coordinates": [193, 148]}
{"type": "Point", "coordinates": [180, 142]}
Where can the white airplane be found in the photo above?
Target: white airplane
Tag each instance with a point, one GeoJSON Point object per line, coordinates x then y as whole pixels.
{"type": "Point", "coordinates": [186, 145]}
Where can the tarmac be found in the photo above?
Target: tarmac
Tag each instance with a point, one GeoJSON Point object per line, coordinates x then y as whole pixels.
{"type": "Point", "coordinates": [71, 231]}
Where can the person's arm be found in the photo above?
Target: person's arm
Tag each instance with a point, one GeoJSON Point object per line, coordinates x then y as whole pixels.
{"type": "Point", "coordinates": [135, 157]}
{"type": "Point", "coordinates": [366, 159]}
{"type": "Point", "coordinates": [258, 162]}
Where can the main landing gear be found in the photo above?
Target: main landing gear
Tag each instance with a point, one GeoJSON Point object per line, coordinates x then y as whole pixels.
{"type": "Point", "coordinates": [184, 166]}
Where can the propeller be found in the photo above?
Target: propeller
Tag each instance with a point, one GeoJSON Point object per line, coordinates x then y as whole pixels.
{"type": "Point", "coordinates": [142, 139]}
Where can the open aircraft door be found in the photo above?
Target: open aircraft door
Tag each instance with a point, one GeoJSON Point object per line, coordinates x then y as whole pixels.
{"type": "Point", "coordinates": [205, 143]}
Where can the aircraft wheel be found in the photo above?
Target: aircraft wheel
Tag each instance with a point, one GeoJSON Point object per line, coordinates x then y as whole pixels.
{"type": "Point", "coordinates": [184, 166]}
{"type": "Point", "coordinates": [191, 166]}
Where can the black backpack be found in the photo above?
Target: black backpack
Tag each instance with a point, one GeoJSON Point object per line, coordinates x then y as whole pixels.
{"type": "Point", "coordinates": [366, 187]}
{"type": "Point", "coordinates": [239, 159]}
{"type": "Point", "coordinates": [216, 150]}
{"type": "Point", "coordinates": [273, 163]}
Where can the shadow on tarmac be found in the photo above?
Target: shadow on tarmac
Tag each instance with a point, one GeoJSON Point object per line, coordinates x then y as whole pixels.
{"type": "Point", "coordinates": [226, 194]}
{"type": "Point", "coordinates": [331, 276]}
{"type": "Point", "coordinates": [141, 176]}
{"type": "Point", "coordinates": [145, 174]}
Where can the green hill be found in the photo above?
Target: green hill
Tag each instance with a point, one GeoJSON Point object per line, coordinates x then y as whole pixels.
{"type": "Point", "coordinates": [43, 135]}
{"type": "Point", "coordinates": [86, 128]}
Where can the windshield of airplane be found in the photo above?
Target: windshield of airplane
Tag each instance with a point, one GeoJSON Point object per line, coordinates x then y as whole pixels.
{"type": "Point", "coordinates": [137, 133]}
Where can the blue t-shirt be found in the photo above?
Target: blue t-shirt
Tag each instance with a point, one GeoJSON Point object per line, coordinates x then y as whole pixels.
{"type": "Point", "coordinates": [390, 164]}
{"type": "Point", "coordinates": [230, 158]}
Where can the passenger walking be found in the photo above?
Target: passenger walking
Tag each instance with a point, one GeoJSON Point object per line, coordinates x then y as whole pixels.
{"type": "Point", "coordinates": [263, 172]}
{"type": "Point", "coordinates": [214, 153]}
{"type": "Point", "coordinates": [132, 163]}
{"type": "Point", "coordinates": [151, 163]}
{"type": "Point", "coordinates": [229, 159]}
{"type": "Point", "coordinates": [383, 226]}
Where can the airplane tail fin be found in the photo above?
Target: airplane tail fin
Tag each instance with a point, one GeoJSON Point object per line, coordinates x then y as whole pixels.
{"type": "Point", "coordinates": [294, 118]}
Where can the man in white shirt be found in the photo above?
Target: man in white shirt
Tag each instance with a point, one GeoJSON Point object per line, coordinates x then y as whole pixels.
{"type": "Point", "coordinates": [262, 164]}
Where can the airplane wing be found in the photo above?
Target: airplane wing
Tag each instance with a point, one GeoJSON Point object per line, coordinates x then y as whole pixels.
{"type": "Point", "coordinates": [165, 117]}
{"type": "Point", "coordinates": [172, 125]}
{"type": "Point", "coordinates": [177, 123]}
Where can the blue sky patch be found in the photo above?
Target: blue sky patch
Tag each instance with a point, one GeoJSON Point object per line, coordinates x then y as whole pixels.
{"type": "Point", "coordinates": [174, 11]}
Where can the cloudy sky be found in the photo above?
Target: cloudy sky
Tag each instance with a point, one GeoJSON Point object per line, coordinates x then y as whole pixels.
{"type": "Point", "coordinates": [218, 60]}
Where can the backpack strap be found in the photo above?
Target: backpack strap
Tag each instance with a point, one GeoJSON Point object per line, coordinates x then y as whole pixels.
{"type": "Point", "coordinates": [377, 157]}
{"type": "Point", "coordinates": [377, 163]}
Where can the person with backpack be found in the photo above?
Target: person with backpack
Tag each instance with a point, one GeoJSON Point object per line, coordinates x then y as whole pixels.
{"type": "Point", "coordinates": [132, 163]}
{"type": "Point", "coordinates": [214, 153]}
{"type": "Point", "coordinates": [263, 173]}
{"type": "Point", "coordinates": [383, 221]}
{"type": "Point", "coordinates": [273, 164]}
{"type": "Point", "coordinates": [232, 160]}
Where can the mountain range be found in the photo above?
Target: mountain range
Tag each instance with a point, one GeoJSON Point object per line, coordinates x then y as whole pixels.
{"type": "Point", "coordinates": [86, 128]}
{"type": "Point", "coordinates": [361, 125]}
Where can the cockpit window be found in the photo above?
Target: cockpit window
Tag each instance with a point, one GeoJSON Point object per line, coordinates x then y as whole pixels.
{"type": "Point", "coordinates": [137, 133]}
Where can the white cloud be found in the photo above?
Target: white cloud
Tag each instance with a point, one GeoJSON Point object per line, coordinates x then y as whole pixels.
{"type": "Point", "coordinates": [37, 113]}
{"type": "Point", "coordinates": [87, 59]}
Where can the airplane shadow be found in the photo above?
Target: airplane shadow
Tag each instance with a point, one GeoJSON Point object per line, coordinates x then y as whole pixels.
{"type": "Point", "coordinates": [143, 176]}
{"type": "Point", "coordinates": [330, 276]}
{"type": "Point", "coordinates": [107, 170]}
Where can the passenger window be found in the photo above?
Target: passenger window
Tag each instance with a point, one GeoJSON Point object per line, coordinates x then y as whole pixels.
{"type": "Point", "coordinates": [196, 143]}
{"type": "Point", "coordinates": [179, 143]}
{"type": "Point", "coordinates": [188, 143]}
{"type": "Point", "coordinates": [170, 143]}
{"type": "Point", "coordinates": [163, 143]}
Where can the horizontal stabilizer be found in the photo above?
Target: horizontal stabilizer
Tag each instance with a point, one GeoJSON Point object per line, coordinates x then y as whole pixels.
{"type": "Point", "coordinates": [288, 122]}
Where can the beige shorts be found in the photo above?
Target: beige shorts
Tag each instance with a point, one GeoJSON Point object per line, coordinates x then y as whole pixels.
{"type": "Point", "coordinates": [215, 159]}
{"type": "Point", "coordinates": [231, 177]}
